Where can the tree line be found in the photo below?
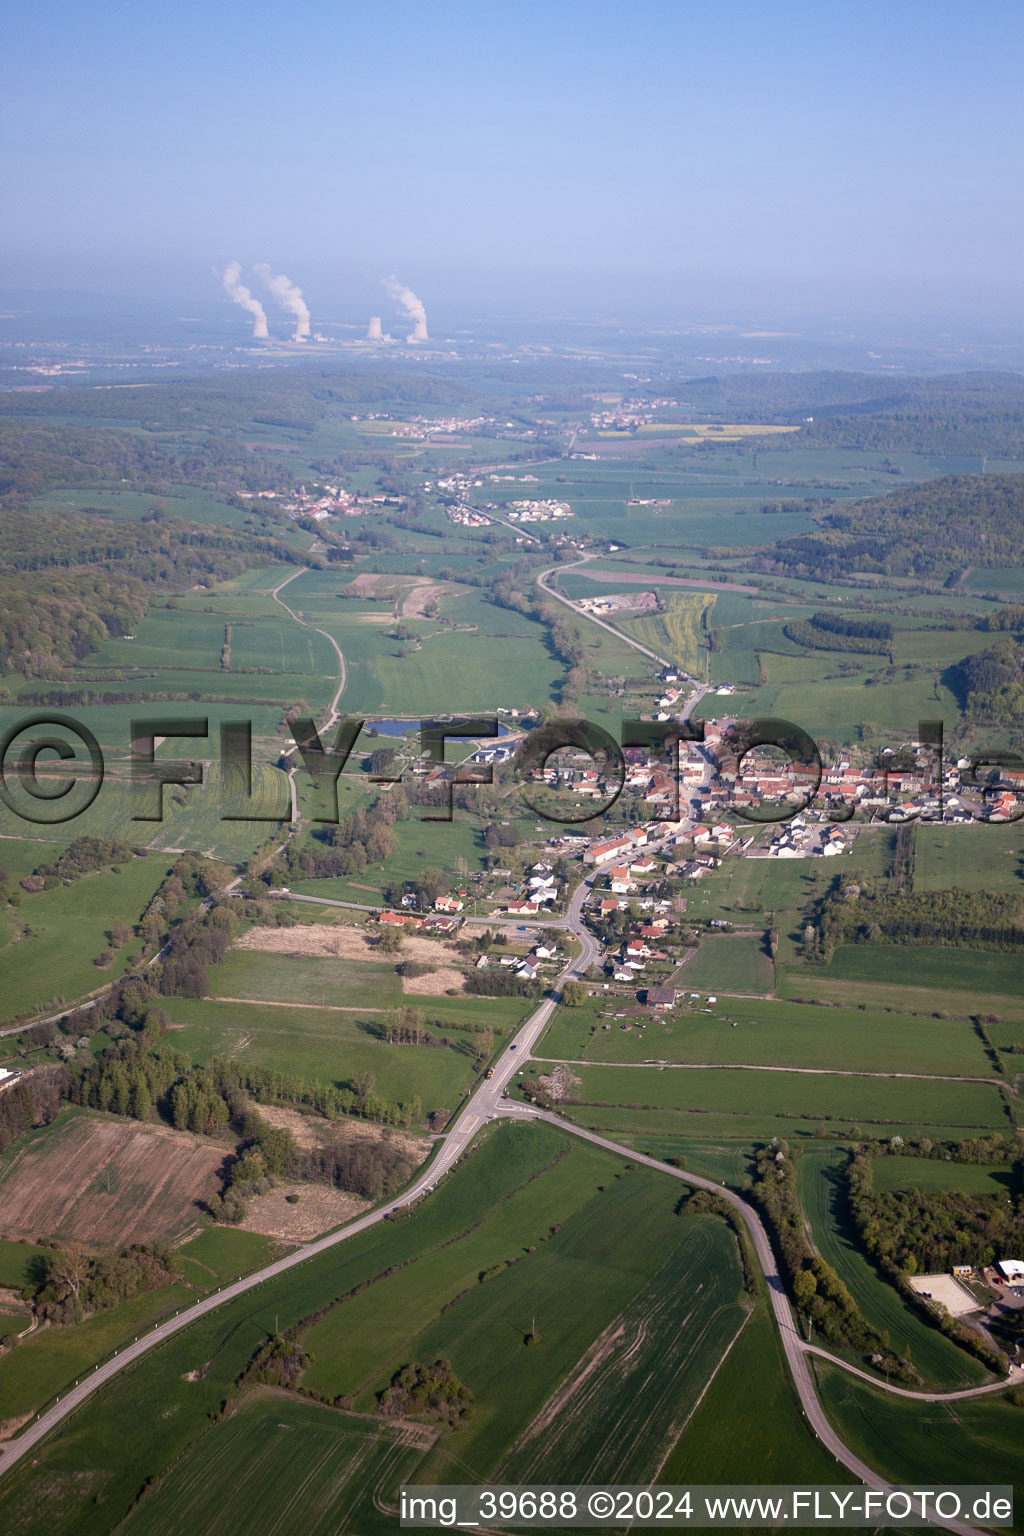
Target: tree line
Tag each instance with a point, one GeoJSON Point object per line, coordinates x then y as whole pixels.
{"type": "Point", "coordinates": [863, 914]}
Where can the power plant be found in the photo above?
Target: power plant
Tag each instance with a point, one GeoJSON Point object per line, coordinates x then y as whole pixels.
{"type": "Point", "coordinates": [289, 296]}
{"type": "Point", "coordinates": [411, 306]}
{"type": "Point", "coordinates": [240, 294]}
{"type": "Point", "coordinates": [419, 328]}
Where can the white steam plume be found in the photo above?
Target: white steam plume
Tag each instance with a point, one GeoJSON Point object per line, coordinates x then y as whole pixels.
{"type": "Point", "coordinates": [289, 297]}
{"type": "Point", "coordinates": [412, 306]}
{"type": "Point", "coordinates": [241, 295]}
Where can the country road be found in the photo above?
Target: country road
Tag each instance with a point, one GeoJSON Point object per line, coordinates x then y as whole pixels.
{"type": "Point", "coordinates": [332, 713]}
{"type": "Point", "coordinates": [486, 1103]}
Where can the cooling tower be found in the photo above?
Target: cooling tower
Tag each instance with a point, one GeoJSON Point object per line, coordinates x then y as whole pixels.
{"type": "Point", "coordinates": [373, 330]}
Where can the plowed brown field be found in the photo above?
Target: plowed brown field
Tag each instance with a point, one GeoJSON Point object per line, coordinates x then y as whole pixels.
{"type": "Point", "coordinates": [108, 1182]}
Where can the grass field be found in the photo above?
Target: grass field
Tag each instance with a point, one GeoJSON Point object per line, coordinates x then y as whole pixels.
{"type": "Point", "coordinates": [750, 1427]}
{"type": "Point", "coordinates": [52, 1358]}
{"type": "Point", "coordinates": [752, 1101]}
{"type": "Point", "coordinates": [928, 1445]}
{"type": "Point", "coordinates": [932, 1175]}
{"type": "Point", "coordinates": [284, 1466]}
{"type": "Point", "coordinates": [313, 979]}
{"type": "Point", "coordinates": [990, 857]}
{"type": "Point", "coordinates": [220, 1254]}
{"type": "Point", "coordinates": [619, 1412]}
{"type": "Point", "coordinates": [959, 970]}
{"type": "Point", "coordinates": [615, 1233]}
{"type": "Point", "coordinates": [19, 1263]}
{"type": "Point", "coordinates": [777, 1034]}
{"type": "Point", "coordinates": [568, 1222]}
{"type": "Point", "coordinates": [808, 984]}
{"type": "Point", "coordinates": [67, 929]}
{"type": "Point", "coordinates": [821, 1190]}
{"type": "Point", "coordinates": [328, 1047]}
{"type": "Point", "coordinates": [730, 965]}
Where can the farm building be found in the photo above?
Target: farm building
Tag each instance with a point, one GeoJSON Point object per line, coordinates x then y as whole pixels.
{"type": "Point", "coordinates": [661, 997]}
{"type": "Point", "coordinates": [1012, 1271]}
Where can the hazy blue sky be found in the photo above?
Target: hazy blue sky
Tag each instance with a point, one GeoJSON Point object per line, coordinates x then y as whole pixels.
{"type": "Point", "coordinates": [777, 151]}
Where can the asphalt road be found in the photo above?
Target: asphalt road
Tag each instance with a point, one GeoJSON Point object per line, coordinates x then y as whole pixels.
{"type": "Point", "coordinates": [481, 1106]}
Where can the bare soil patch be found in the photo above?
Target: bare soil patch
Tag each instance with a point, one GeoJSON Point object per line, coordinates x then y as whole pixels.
{"type": "Point", "coordinates": [319, 1208]}
{"type": "Point", "coordinates": [313, 1131]}
{"type": "Point", "coordinates": [108, 1182]}
{"type": "Point", "coordinates": [345, 942]}
{"type": "Point", "coordinates": [438, 984]}
{"type": "Point", "coordinates": [416, 601]}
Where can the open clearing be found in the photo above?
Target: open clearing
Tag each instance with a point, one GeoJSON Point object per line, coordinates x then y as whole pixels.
{"type": "Point", "coordinates": [342, 941]}
{"type": "Point", "coordinates": [107, 1181]}
{"type": "Point", "coordinates": [317, 1210]}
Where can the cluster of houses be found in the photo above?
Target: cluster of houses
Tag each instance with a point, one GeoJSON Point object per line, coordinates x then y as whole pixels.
{"type": "Point", "coordinates": [638, 949]}
{"type": "Point", "coordinates": [538, 511]}
{"type": "Point", "coordinates": [329, 501]}
{"type": "Point", "coordinates": [628, 415]}
{"type": "Point", "coordinates": [542, 890]}
{"type": "Point", "coordinates": [800, 839]}
{"type": "Point", "coordinates": [525, 968]}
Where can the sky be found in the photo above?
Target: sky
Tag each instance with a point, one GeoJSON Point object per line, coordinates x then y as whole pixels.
{"type": "Point", "coordinates": [581, 154]}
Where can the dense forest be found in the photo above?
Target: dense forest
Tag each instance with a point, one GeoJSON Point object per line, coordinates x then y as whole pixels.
{"type": "Point", "coordinates": [929, 1233]}
{"type": "Point", "coordinates": [72, 580]}
{"type": "Point", "coordinates": [953, 414]}
{"type": "Point", "coordinates": [930, 532]}
{"type": "Point", "coordinates": [990, 684]}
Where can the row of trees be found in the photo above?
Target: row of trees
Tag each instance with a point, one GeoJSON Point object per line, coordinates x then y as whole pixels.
{"type": "Point", "coordinates": [837, 632]}
{"type": "Point", "coordinates": [855, 914]}
{"type": "Point", "coordinates": [819, 1293]}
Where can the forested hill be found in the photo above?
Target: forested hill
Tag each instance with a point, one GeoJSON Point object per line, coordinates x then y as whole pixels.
{"type": "Point", "coordinates": [299, 398]}
{"type": "Point", "coordinates": [952, 414]}
{"type": "Point", "coordinates": [70, 581]}
{"type": "Point", "coordinates": [932, 532]}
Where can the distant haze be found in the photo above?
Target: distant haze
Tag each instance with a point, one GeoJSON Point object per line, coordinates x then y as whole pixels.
{"type": "Point", "coordinates": [586, 158]}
